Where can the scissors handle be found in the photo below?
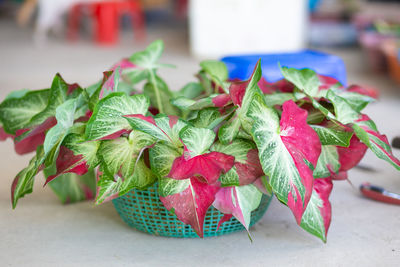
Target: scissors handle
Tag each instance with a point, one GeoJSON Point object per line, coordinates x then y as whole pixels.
{"type": "Point", "coordinates": [379, 194]}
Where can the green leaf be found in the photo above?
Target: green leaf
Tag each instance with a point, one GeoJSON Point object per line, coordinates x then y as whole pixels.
{"type": "Point", "coordinates": [18, 93]}
{"type": "Point", "coordinates": [121, 154]}
{"type": "Point", "coordinates": [238, 148]}
{"type": "Point", "coordinates": [168, 186]}
{"type": "Point", "coordinates": [142, 178]}
{"type": "Point", "coordinates": [251, 89]}
{"type": "Point", "coordinates": [78, 144]}
{"type": "Point", "coordinates": [305, 79]}
{"type": "Point", "coordinates": [197, 140]}
{"type": "Point", "coordinates": [332, 136]}
{"type": "Point", "coordinates": [209, 118]}
{"type": "Point", "coordinates": [95, 96]}
{"type": "Point", "coordinates": [328, 162]}
{"type": "Point", "coordinates": [148, 58]}
{"type": "Point", "coordinates": [165, 96]}
{"type": "Point", "coordinates": [344, 112]}
{"type": "Point", "coordinates": [23, 182]}
{"type": "Point", "coordinates": [135, 75]}
{"type": "Point", "coordinates": [16, 111]}
{"type": "Point", "coordinates": [190, 104]}
{"type": "Point", "coordinates": [205, 82]}
{"type": "Point", "coordinates": [160, 127]}
{"type": "Point", "coordinates": [71, 188]}
{"type": "Point", "coordinates": [357, 101]}
{"type": "Point", "coordinates": [216, 69]}
{"type": "Point", "coordinates": [58, 95]}
{"type": "Point", "coordinates": [110, 187]}
{"type": "Point", "coordinates": [162, 155]}
{"type": "Point", "coordinates": [107, 116]}
{"type": "Point", "coordinates": [190, 90]}
{"type": "Point", "coordinates": [278, 98]}
{"type": "Point", "coordinates": [65, 114]}
{"type": "Point", "coordinates": [229, 131]}
{"type": "Point", "coordinates": [248, 199]}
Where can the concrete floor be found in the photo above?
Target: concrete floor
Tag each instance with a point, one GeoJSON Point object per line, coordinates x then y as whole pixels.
{"type": "Point", "coordinates": [41, 232]}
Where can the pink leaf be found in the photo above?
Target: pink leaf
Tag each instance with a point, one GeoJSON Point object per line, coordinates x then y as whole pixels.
{"type": "Point", "coordinates": [221, 100]}
{"type": "Point", "coordinates": [323, 187]}
{"type": "Point", "coordinates": [224, 218]}
{"type": "Point", "coordinates": [34, 138]}
{"type": "Point", "coordinates": [142, 117]}
{"type": "Point", "coordinates": [371, 92]}
{"type": "Point", "coordinates": [341, 175]}
{"type": "Point", "coordinates": [68, 162]}
{"type": "Point", "coordinates": [303, 143]}
{"type": "Point", "coordinates": [115, 135]}
{"type": "Point", "coordinates": [191, 204]}
{"type": "Point", "coordinates": [109, 81]}
{"type": "Point", "coordinates": [237, 90]}
{"type": "Point", "coordinates": [282, 86]}
{"type": "Point", "coordinates": [226, 204]}
{"type": "Point", "coordinates": [209, 166]}
{"type": "Point", "coordinates": [251, 170]}
{"type": "Point", "coordinates": [326, 82]}
{"type": "Point", "coordinates": [352, 155]}
{"type": "Point", "coordinates": [123, 64]}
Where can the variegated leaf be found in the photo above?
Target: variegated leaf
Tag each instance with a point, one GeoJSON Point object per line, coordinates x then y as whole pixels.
{"type": "Point", "coordinates": [317, 217]}
{"type": "Point", "coordinates": [332, 136]}
{"type": "Point", "coordinates": [17, 111]}
{"type": "Point", "coordinates": [367, 132]}
{"type": "Point", "coordinates": [107, 116]}
{"type": "Point", "coordinates": [284, 158]}
{"type": "Point", "coordinates": [239, 201]}
{"type": "Point", "coordinates": [328, 162]}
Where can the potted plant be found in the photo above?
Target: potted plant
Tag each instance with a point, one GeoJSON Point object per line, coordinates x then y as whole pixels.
{"type": "Point", "coordinates": [214, 150]}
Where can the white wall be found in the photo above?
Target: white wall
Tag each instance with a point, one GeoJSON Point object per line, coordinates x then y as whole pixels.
{"type": "Point", "coordinates": [220, 27]}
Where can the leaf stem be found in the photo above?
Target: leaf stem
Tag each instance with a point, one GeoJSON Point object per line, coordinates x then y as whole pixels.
{"type": "Point", "coordinates": [156, 90]}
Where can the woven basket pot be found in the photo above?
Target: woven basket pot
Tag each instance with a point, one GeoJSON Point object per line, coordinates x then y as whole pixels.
{"type": "Point", "coordinates": [143, 210]}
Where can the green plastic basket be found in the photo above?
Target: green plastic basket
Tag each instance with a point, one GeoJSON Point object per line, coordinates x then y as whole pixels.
{"type": "Point", "coordinates": [143, 210]}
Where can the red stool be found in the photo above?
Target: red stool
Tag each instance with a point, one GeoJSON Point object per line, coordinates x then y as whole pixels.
{"type": "Point", "coordinates": [107, 15]}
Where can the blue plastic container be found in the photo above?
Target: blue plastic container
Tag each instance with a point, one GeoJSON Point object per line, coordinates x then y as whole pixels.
{"type": "Point", "coordinates": [329, 65]}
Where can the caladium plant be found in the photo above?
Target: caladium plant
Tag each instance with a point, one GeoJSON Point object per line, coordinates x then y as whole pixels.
{"type": "Point", "coordinates": [216, 142]}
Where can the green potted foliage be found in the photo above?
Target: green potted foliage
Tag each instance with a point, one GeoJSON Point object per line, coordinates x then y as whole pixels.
{"type": "Point", "coordinates": [211, 154]}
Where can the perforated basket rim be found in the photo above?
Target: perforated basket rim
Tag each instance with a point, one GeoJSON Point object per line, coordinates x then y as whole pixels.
{"type": "Point", "coordinates": [143, 210]}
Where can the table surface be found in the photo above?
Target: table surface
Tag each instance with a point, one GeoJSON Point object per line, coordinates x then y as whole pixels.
{"type": "Point", "coordinates": [42, 232]}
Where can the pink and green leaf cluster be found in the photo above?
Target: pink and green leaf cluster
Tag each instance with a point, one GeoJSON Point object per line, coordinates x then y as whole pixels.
{"type": "Point", "coordinates": [216, 142]}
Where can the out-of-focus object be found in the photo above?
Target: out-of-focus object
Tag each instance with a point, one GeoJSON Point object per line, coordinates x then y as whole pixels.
{"type": "Point", "coordinates": [371, 43]}
{"type": "Point", "coordinates": [379, 194]}
{"type": "Point", "coordinates": [376, 23]}
{"type": "Point", "coordinates": [107, 15]}
{"type": "Point", "coordinates": [218, 27]}
{"type": "Point", "coordinates": [25, 12]}
{"type": "Point", "coordinates": [324, 64]}
{"type": "Point", "coordinates": [332, 33]}
{"type": "Point", "coordinates": [391, 48]}
{"type": "Point", "coordinates": [313, 4]}
{"type": "Point", "coordinates": [50, 14]}
{"type": "Point", "coordinates": [155, 4]}
{"type": "Point", "coordinates": [396, 142]}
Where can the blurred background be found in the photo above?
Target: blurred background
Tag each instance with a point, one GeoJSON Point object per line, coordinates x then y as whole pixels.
{"type": "Point", "coordinates": [82, 38]}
